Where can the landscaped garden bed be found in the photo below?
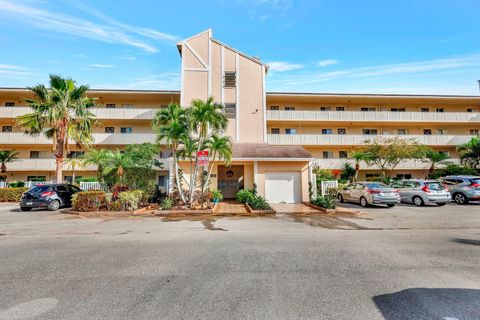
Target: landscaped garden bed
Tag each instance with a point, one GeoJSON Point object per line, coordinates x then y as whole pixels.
{"type": "Point", "coordinates": [255, 203]}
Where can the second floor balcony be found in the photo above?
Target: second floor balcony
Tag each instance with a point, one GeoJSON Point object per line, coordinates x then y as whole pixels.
{"type": "Point", "coordinates": [372, 116]}
{"type": "Point", "coordinates": [12, 138]}
{"type": "Point", "coordinates": [359, 139]}
{"type": "Point", "coordinates": [100, 113]}
{"type": "Point", "coordinates": [49, 165]}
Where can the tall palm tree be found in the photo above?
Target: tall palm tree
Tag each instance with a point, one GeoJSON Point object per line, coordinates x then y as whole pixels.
{"type": "Point", "coordinates": [61, 113]}
{"type": "Point", "coordinates": [96, 157]}
{"type": "Point", "coordinates": [357, 156]}
{"type": "Point", "coordinates": [434, 157]}
{"type": "Point", "coordinates": [7, 156]}
{"type": "Point", "coordinates": [470, 152]}
{"type": "Point", "coordinates": [221, 146]}
{"type": "Point", "coordinates": [171, 125]}
{"type": "Point", "coordinates": [187, 152]}
{"type": "Point", "coordinates": [206, 117]}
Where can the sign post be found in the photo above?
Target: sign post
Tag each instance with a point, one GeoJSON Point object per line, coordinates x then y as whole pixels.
{"type": "Point", "coordinates": [203, 158]}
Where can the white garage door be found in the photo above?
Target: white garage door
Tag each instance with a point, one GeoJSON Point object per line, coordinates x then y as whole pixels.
{"type": "Point", "coordinates": [282, 187]}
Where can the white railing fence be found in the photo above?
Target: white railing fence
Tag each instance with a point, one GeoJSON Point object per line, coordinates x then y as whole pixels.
{"type": "Point", "coordinates": [30, 184]}
{"type": "Point", "coordinates": [325, 185]}
{"type": "Point", "coordinates": [88, 185]}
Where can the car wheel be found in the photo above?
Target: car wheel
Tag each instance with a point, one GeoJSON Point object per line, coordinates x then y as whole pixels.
{"type": "Point", "coordinates": [460, 198]}
{"type": "Point", "coordinates": [363, 202]}
{"type": "Point", "coordinates": [340, 198]}
{"type": "Point", "coordinates": [391, 205]}
{"type": "Point", "coordinates": [418, 201]}
{"type": "Point", "coordinates": [25, 208]}
{"type": "Point", "coordinates": [54, 205]}
{"type": "Point", "coordinates": [441, 204]}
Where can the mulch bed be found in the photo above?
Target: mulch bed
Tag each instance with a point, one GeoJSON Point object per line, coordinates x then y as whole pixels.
{"type": "Point", "coordinates": [338, 211]}
{"type": "Point", "coordinates": [259, 212]}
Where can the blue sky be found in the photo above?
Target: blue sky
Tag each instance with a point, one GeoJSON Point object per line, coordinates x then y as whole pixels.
{"type": "Point", "coordinates": [410, 46]}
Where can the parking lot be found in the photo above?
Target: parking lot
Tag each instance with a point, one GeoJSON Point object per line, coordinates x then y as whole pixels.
{"type": "Point", "coordinates": [404, 262]}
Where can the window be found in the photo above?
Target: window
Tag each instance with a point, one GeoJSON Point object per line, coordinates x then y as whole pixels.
{"type": "Point", "coordinates": [231, 110]}
{"type": "Point", "coordinates": [325, 109]}
{"type": "Point", "coordinates": [342, 131]}
{"type": "Point", "coordinates": [9, 104]}
{"type": "Point", "coordinates": [370, 131]}
{"type": "Point", "coordinates": [229, 79]}
{"type": "Point", "coordinates": [163, 106]}
{"type": "Point", "coordinates": [165, 154]}
{"type": "Point", "coordinates": [424, 110]}
{"type": "Point", "coordinates": [39, 155]}
{"type": "Point", "coordinates": [398, 109]}
{"type": "Point", "coordinates": [127, 106]}
{"type": "Point", "coordinates": [61, 188]}
{"type": "Point", "coordinates": [75, 154]}
{"type": "Point", "coordinates": [439, 110]}
{"type": "Point", "coordinates": [343, 154]}
{"type": "Point", "coordinates": [441, 132]}
{"type": "Point", "coordinates": [275, 131]}
{"type": "Point", "coordinates": [7, 129]}
{"type": "Point", "coordinates": [289, 108]}
{"type": "Point", "coordinates": [162, 181]}
{"type": "Point", "coordinates": [427, 132]}
{"type": "Point", "coordinates": [474, 132]}
{"type": "Point", "coordinates": [444, 153]}
{"type": "Point", "coordinates": [404, 176]}
{"type": "Point", "coordinates": [110, 105]}
{"type": "Point", "coordinates": [274, 108]}
{"type": "Point", "coordinates": [340, 108]}
{"type": "Point", "coordinates": [367, 109]}
{"type": "Point", "coordinates": [372, 176]}
{"type": "Point", "coordinates": [470, 110]}
{"type": "Point", "coordinates": [402, 131]}
{"type": "Point", "coordinates": [327, 155]}
{"type": "Point", "coordinates": [36, 178]}
{"type": "Point", "coordinates": [327, 131]}
{"type": "Point", "coordinates": [109, 129]}
{"type": "Point", "coordinates": [126, 130]}
{"type": "Point", "coordinates": [290, 131]}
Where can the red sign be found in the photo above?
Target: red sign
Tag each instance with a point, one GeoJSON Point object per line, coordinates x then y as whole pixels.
{"type": "Point", "coordinates": [203, 158]}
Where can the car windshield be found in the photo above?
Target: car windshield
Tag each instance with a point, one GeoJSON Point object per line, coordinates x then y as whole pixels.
{"type": "Point", "coordinates": [38, 189]}
{"type": "Point", "coordinates": [376, 185]}
{"type": "Point", "coordinates": [475, 181]}
{"type": "Point", "coordinates": [435, 186]}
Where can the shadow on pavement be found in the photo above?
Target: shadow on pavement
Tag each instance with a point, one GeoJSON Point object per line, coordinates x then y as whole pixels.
{"type": "Point", "coordinates": [425, 303]}
{"type": "Point", "coordinates": [467, 241]}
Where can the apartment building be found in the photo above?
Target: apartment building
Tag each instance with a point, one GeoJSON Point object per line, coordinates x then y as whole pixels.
{"type": "Point", "coordinates": [277, 137]}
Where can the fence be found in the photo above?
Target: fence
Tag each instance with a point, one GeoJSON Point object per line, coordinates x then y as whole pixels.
{"type": "Point", "coordinates": [325, 185]}
{"type": "Point", "coordinates": [87, 186]}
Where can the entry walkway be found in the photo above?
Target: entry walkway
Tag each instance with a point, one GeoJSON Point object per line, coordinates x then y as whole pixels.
{"type": "Point", "coordinates": [293, 208]}
{"type": "Point", "coordinates": [231, 207]}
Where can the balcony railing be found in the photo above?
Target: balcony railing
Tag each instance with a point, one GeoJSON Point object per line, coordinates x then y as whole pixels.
{"type": "Point", "coordinates": [49, 165]}
{"type": "Point", "coordinates": [410, 164]}
{"type": "Point", "coordinates": [373, 116]}
{"type": "Point", "coordinates": [100, 138]}
{"type": "Point", "coordinates": [358, 139]}
{"type": "Point", "coordinates": [100, 113]}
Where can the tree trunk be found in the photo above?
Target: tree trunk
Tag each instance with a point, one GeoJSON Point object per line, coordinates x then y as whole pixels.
{"type": "Point", "coordinates": [177, 179]}
{"type": "Point", "coordinates": [59, 168]}
{"type": "Point", "coordinates": [60, 150]}
{"type": "Point", "coordinates": [209, 172]}
{"type": "Point", "coordinates": [193, 178]}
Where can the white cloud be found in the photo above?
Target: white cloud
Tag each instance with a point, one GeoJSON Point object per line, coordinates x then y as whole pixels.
{"type": "Point", "coordinates": [327, 62]}
{"type": "Point", "coordinates": [284, 66]}
{"type": "Point", "coordinates": [111, 31]}
{"type": "Point", "coordinates": [99, 65]}
{"type": "Point", "coordinates": [10, 71]}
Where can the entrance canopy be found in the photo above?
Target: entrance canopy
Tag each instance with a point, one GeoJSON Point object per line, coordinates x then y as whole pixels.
{"type": "Point", "coordinates": [267, 152]}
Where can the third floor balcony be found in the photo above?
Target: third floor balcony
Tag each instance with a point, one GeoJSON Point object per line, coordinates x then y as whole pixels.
{"type": "Point", "coordinates": [372, 116]}
{"type": "Point", "coordinates": [100, 113]}
{"type": "Point", "coordinates": [11, 138]}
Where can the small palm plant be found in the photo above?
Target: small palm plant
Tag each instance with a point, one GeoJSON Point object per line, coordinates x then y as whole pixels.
{"type": "Point", "coordinates": [61, 113]}
{"type": "Point", "coordinates": [434, 158]}
{"type": "Point", "coordinates": [357, 156]}
{"type": "Point", "coordinates": [7, 156]}
{"type": "Point", "coordinates": [96, 157]}
{"type": "Point", "coordinates": [470, 152]}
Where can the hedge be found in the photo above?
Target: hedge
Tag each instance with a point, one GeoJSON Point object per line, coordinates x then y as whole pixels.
{"type": "Point", "coordinates": [95, 200]}
{"type": "Point", "coordinates": [11, 194]}
{"type": "Point", "coordinates": [88, 201]}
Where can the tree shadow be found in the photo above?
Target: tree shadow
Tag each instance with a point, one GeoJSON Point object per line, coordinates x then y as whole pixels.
{"type": "Point", "coordinates": [426, 303]}
{"type": "Point", "coordinates": [467, 241]}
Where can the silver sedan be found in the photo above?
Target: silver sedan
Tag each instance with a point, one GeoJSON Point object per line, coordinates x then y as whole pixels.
{"type": "Point", "coordinates": [366, 193]}
{"type": "Point", "coordinates": [420, 192]}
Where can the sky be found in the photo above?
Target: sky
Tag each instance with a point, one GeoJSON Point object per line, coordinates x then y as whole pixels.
{"type": "Point", "coordinates": [349, 46]}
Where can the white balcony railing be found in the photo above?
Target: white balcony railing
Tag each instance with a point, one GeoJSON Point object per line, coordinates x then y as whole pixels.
{"type": "Point", "coordinates": [49, 165]}
{"type": "Point", "coordinates": [410, 164]}
{"type": "Point", "coordinates": [100, 113]}
{"type": "Point", "coordinates": [100, 138]}
{"type": "Point", "coordinates": [373, 116]}
{"type": "Point", "coordinates": [358, 139]}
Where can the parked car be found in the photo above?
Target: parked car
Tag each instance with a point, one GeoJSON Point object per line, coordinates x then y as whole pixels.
{"type": "Point", "coordinates": [51, 196]}
{"type": "Point", "coordinates": [367, 193]}
{"type": "Point", "coordinates": [420, 192]}
{"type": "Point", "coordinates": [463, 188]}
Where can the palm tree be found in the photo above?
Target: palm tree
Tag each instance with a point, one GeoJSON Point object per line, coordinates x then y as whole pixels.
{"type": "Point", "coordinates": [357, 156]}
{"type": "Point", "coordinates": [206, 117]}
{"type": "Point", "coordinates": [7, 156]}
{"type": "Point", "coordinates": [221, 146]}
{"type": "Point", "coordinates": [470, 152]}
{"type": "Point", "coordinates": [189, 146]}
{"type": "Point", "coordinates": [172, 126]}
{"type": "Point", "coordinates": [434, 157]}
{"type": "Point", "coordinates": [116, 164]}
{"type": "Point", "coordinates": [73, 163]}
{"type": "Point", "coordinates": [61, 113]}
{"type": "Point", "coordinates": [96, 157]}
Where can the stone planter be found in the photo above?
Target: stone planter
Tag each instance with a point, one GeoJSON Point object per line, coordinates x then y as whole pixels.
{"type": "Point", "coordinates": [259, 212]}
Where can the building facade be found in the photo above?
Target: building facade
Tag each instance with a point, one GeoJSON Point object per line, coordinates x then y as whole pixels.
{"type": "Point", "coordinates": [277, 137]}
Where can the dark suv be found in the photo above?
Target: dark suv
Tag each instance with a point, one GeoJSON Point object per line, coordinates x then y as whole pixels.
{"type": "Point", "coordinates": [51, 196]}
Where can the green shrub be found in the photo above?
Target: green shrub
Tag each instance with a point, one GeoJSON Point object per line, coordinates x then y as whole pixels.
{"type": "Point", "coordinates": [130, 200]}
{"type": "Point", "coordinates": [17, 184]}
{"type": "Point", "coordinates": [258, 203]}
{"type": "Point", "coordinates": [217, 195]}
{"type": "Point", "coordinates": [11, 194]}
{"type": "Point", "coordinates": [323, 174]}
{"type": "Point", "coordinates": [88, 201]}
{"type": "Point", "coordinates": [86, 179]}
{"type": "Point", "coordinates": [244, 195]}
{"type": "Point", "coordinates": [453, 169]}
{"type": "Point", "coordinates": [167, 204]}
{"type": "Point", "coordinates": [348, 172]}
{"type": "Point", "coordinates": [325, 202]}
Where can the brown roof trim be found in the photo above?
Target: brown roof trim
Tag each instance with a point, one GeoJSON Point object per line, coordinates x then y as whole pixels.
{"type": "Point", "coordinates": [319, 94]}
{"type": "Point", "coordinates": [265, 151]}
{"type": "Point", "coordinates": [107, 90]}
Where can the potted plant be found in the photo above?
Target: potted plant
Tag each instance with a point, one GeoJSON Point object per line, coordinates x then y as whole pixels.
{"type": "Point", "coordinates": [217, 196]}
